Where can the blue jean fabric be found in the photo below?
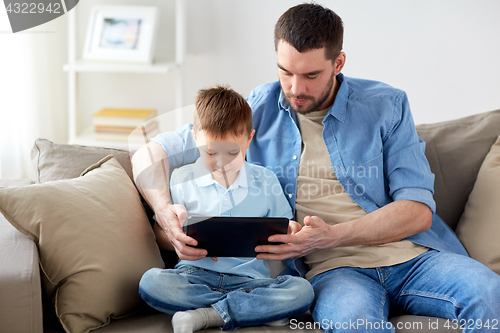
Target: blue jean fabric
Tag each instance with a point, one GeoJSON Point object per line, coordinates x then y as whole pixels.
{"type": "Point", "coordinates": [239, 300]}
{"type": "Point", "coordinates": [436, 284]}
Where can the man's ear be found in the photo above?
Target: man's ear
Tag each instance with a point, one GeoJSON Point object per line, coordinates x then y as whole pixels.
{"type": "Point", "coordinates": [339, 63]}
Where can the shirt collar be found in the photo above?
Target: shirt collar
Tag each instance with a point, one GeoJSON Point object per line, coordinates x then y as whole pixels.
{"type": "Point", "coordinates": [339, 107]}
{"type": "Point", "coordinates": [204, 178]}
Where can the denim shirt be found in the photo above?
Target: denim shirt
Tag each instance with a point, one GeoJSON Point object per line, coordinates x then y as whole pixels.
{"type": "Point", "coordinates": [371, 138]}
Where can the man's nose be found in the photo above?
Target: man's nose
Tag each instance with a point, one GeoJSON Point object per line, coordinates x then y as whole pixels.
{"type": "Point", "coordinates": [298, 86]}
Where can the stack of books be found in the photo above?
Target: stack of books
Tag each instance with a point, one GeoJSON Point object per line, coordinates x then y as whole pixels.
{"type": "Point", "coordinates": [137, 125]}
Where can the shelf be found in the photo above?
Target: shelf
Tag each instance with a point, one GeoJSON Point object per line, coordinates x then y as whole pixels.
{"type": "Point", "coordinates": [165, 61]}
{"type": "Point", "coordinates": [87, 138]}
{"type": "Point", "coordinates": [119, 67]}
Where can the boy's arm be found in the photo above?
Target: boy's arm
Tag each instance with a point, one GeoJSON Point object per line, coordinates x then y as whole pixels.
{"type": "Point", "coordinates": [150, 167]}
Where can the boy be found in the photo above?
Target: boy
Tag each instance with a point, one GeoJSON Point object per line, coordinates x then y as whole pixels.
{"type": "Point", "coordinates": [227, 292]}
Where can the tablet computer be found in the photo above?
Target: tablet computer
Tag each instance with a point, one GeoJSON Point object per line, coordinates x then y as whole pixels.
{"type": "Point", "coordinates": [233, 236]}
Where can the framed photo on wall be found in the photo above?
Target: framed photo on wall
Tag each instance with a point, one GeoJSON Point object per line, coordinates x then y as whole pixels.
{"type": "Point", "coordinates": [121, 33]}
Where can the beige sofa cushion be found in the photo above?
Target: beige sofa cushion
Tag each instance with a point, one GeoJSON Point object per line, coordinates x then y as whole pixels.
{"type": "Point", "coordinates": [479, 226]}
{"type": "Point", "coordinates": [53, 161]}
{"type": "Point", "coordinates": [455, 150]}
{"type": "Point", "coordinates": [94, 240]}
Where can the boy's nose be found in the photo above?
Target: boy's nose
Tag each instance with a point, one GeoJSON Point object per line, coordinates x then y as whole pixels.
{"type": "Point", "coordinates": [220, 162]}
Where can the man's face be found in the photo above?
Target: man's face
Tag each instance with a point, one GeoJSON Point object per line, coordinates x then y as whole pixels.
{"type": "Point", "coordinates": [307, 79]}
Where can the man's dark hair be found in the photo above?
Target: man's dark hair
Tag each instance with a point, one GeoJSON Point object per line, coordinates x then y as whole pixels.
{"type": "Point", "coordinates": [310, 26]}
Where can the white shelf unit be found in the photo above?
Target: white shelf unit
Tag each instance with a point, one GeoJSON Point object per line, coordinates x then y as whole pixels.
{"type": "Point", "coordinates": [77, 66]}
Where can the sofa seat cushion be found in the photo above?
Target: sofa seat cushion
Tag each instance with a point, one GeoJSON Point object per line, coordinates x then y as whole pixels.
{"type": "Point", "coordinates": [151, 321]}
{"type": "Point", "coordinates": [94, 240]}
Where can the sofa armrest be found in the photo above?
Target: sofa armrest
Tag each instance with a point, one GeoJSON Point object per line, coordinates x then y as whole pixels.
{"type": "Point", "coordinates": [20, 285]}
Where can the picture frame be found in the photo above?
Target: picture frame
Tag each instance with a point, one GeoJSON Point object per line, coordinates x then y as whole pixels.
{"type": "Point", "coordinates": [121, 33]}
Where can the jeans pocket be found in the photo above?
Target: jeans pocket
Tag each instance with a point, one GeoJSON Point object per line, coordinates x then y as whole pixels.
{"type": "Point", "coordinates": [188, 270]}
{"type": "Point", "coordinates": [280, 279]}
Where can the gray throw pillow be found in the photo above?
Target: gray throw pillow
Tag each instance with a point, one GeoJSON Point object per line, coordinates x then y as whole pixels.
{"type": "Point", "coordinates": [53, 161]}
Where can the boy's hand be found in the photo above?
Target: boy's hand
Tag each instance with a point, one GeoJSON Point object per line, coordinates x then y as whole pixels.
{"type": "Point", "coordinates": [171, 220]}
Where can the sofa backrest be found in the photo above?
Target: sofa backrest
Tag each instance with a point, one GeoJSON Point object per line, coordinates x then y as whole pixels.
{"type": "Point", "coordinates": [455, 150]}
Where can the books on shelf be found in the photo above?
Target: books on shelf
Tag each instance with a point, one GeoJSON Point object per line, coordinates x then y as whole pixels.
{"type": "Point", "coordinates": [137, 125]}
{"type": "Point", "coordinates": [122, 117]}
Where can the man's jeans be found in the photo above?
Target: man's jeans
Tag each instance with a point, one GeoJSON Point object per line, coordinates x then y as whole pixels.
{"type": "Point", "coordinates": [436, 284]}
{"type": "Point", "coordinates": [239, 300]}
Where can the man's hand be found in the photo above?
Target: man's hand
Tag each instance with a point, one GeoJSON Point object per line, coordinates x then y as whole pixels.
{"type": "Point", "coordinates": [299, 241]}
{"type": "Point", "coordinates": [391, 223]}
{"type": "Point", "coordinates": [170, 221]}
{"type": "Point", "coordinates": [293, 227]}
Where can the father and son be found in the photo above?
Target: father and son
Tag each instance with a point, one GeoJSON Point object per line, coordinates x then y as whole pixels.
{"type": "Point", "coordinates": [372, 247]}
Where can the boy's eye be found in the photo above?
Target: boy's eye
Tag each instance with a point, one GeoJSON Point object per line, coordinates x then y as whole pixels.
{"type": "Point", "coordinates": [234, 153]}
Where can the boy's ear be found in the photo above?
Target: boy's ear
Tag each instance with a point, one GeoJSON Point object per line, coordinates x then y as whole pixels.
{"type": "Point", "coordinates": [194, 135]}
{"type": "Point", "coordinates": [250, 137]}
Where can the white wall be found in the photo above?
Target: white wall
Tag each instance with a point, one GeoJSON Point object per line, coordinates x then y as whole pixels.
{"type": "Point", "coordinates": [32, 92]}
{"type": "Point", "coordinates": [445, 54]}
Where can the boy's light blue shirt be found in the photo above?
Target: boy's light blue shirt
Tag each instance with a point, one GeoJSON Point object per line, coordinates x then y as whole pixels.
{"type": "Point", "coordinates": [255, 192]}
{"type": "Point", "coordinates": [371, 139]}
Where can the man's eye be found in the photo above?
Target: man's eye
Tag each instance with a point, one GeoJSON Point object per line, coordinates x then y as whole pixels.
{"type": "Point", "coordinates": [311, 77]}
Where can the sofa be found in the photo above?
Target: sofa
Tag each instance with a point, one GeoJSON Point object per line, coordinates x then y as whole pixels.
{"type": "Point", "coordinates": [71, 262]}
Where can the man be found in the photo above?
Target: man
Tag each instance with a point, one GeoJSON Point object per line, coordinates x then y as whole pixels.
{"type": "Point", "coordinates": [349, 160]}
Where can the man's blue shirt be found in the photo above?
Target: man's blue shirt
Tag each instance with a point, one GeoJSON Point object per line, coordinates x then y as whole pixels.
{"type": "Point", "coordinates": [372, 143]}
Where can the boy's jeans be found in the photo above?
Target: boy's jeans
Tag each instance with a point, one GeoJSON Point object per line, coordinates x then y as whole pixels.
{"type": "Point", "coordinates": [239, 300]}
{"type": "Point", "coordinates": [436, 284]}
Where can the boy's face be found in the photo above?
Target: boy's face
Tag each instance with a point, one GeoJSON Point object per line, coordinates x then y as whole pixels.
{"type": "Point", "coordinates": [223, 157]}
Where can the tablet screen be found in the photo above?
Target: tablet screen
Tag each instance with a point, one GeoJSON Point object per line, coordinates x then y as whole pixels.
{"type": "Point", "coordinates": [233, 236]}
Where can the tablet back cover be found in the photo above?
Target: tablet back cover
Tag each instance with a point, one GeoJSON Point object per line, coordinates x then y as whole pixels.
{"type": "Point", "coordinates": [233, 236]}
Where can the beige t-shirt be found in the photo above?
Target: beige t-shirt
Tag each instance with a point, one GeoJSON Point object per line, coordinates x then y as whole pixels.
{"type": "Point", "coordinates": [320, 193]}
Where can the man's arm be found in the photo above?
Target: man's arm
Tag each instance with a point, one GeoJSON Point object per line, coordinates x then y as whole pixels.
{"type": "Point", "coordinates": [391, 223]}
{"type": "Point", "coordinates": [150, 168]}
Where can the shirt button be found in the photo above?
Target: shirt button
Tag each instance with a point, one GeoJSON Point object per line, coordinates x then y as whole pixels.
{"type": "Point", "coordinates": [290, 195]}
{"type": "Point", "coordinates": [225, 198]}
{"type": "Point", "coordinates": [294, 157]}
